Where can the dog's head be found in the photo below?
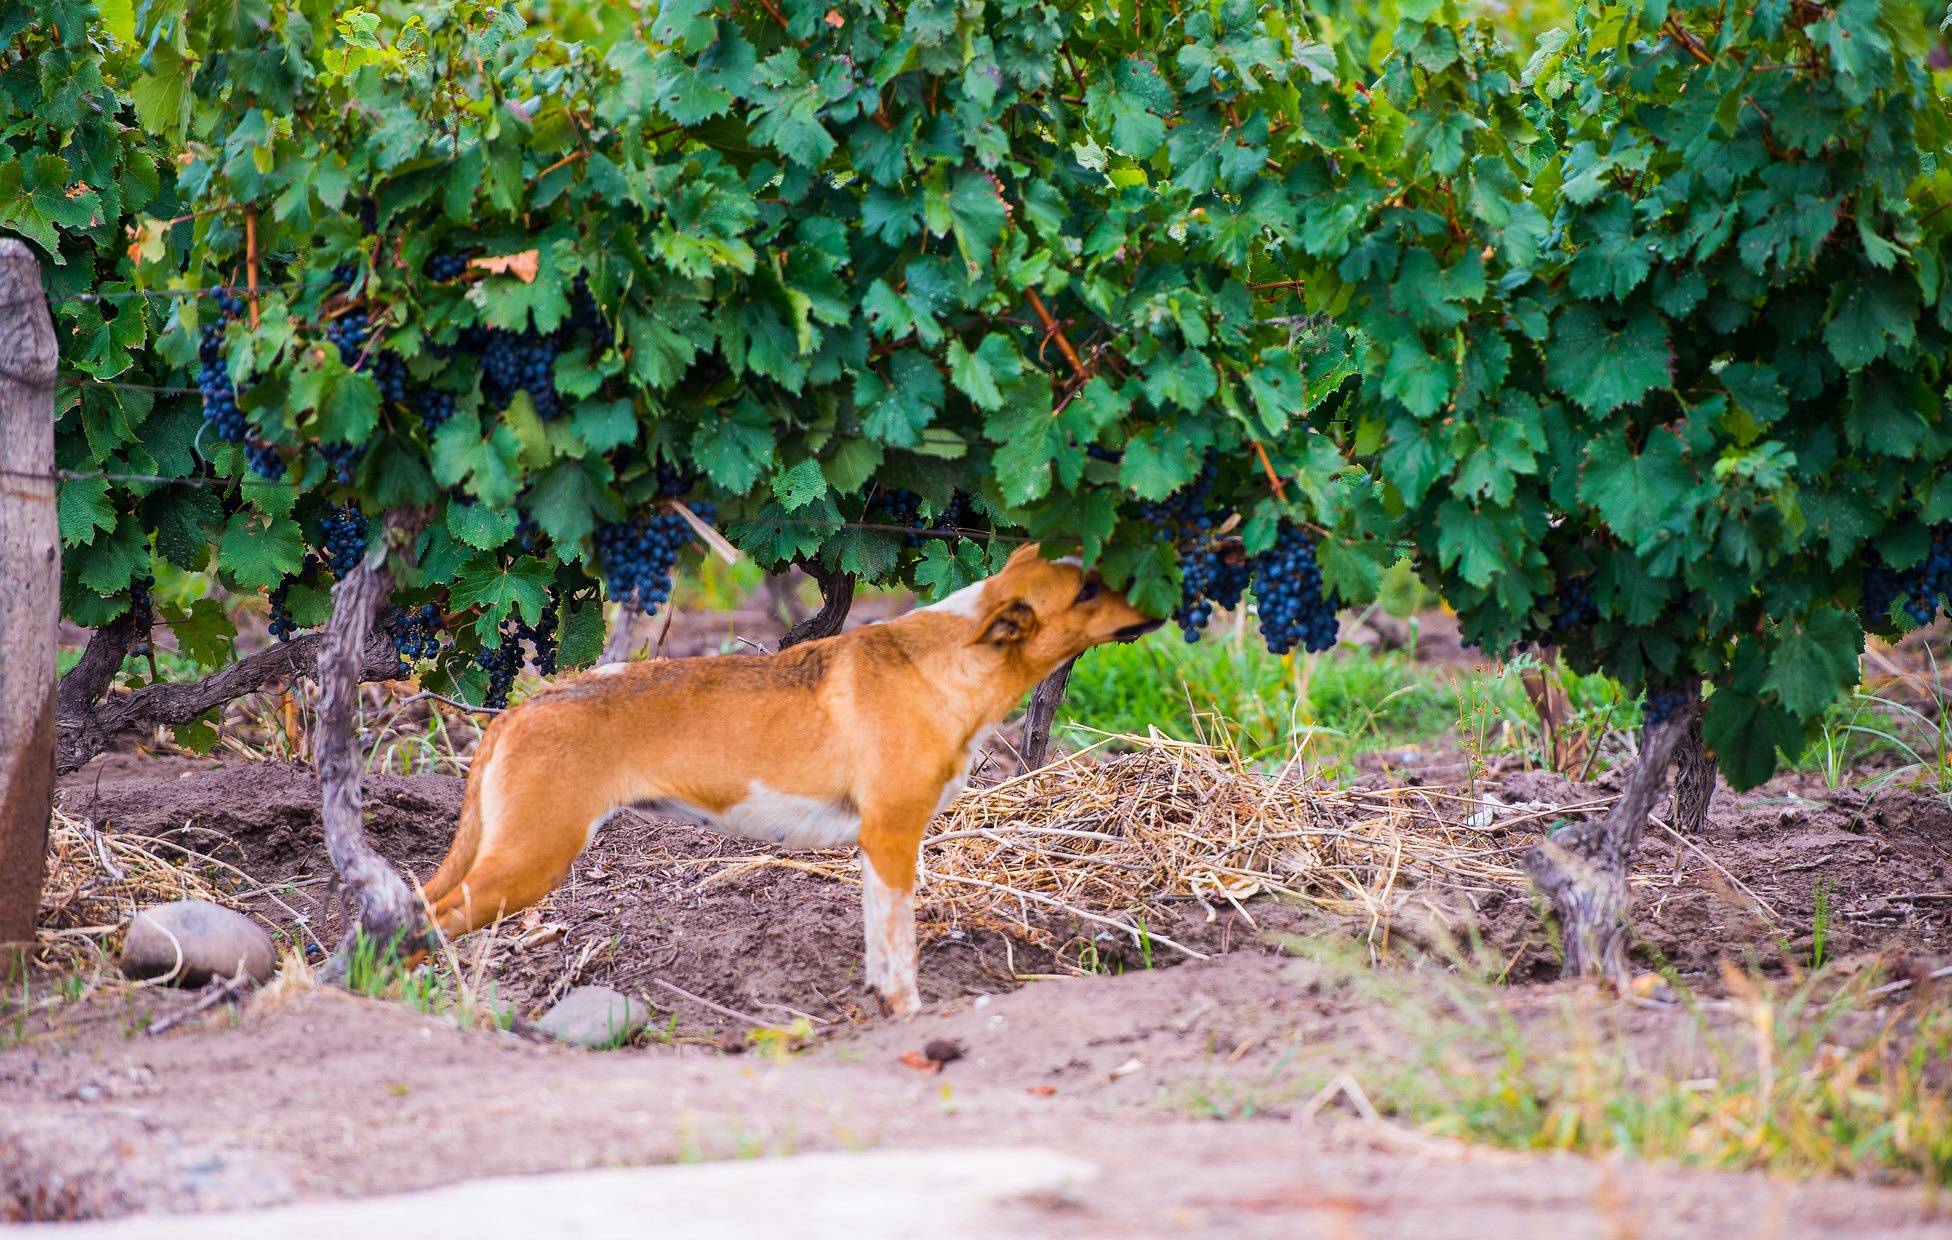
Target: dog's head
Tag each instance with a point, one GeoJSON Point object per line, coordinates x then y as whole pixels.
{"type": "Point", "coordinates": [1050, 610]}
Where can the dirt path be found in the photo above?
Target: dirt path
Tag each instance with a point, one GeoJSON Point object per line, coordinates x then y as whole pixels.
{"type": "Point", "coordinates": [317, 1094]}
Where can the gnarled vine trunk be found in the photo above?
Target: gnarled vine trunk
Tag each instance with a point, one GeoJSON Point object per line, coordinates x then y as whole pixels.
{"type": "Point", "coordinates": [836, 598]}
{"type": "Point", "coordinates": [1042, 713]}
{"type": "Point", "coordinates": [383, 907]}
{"type": "Point", "coordinates": [1582, 868]}
{"type": "Point", "coordinates": [87, 723]}
{"type": "Point", "coordinates": [1694, 780]}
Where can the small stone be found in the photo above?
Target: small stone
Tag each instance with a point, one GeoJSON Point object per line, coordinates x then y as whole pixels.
{"type": "Point", "coordinates": [213, 941]}
{"type": "Point", "coordinates": [594, 1016]}
{"type": "Point", "coordinates": [943, 1050]}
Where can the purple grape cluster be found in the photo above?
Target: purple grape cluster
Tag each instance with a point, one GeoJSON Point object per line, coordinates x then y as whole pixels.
{"type": "Point", "coordinates": [514, 362]}
{"type": "Point", "coordinates": [444, 266]}
{"type": "Point", "coordinates": [502, 664]}
{"type": "Point", "coordinates": [213, 378]}
{"type": "Point", "coordinates": [543, 634]}
{"type": "Point", "coordinates": [1288, 588]}
{"type": "Point", "coordinates": [1211, 573]}
{"type": "Point", "coordinates": [344, 532]}
{"type": "Point", "coordinates": [282, 624]}
{"type": "Point", "coordinates": [434, 406]}
{"type": "Point", "coordinates": [1925, 586]}
{"type": "Point", "coordinates": [1661, 703]}
{"type": "Point", "coordinates": [344, 459]}
{"type": "Point", "coordinates": [416, 633]}
{"type": "Point", "coordinates": [1577, 608]}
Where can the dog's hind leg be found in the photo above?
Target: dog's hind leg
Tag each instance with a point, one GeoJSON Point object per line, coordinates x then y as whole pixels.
{"type": "Point", "coordinates": [891, 838]}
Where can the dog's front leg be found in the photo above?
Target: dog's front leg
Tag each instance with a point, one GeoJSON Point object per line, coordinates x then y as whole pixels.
{"type": "Point", "coordinates": [889, 846]}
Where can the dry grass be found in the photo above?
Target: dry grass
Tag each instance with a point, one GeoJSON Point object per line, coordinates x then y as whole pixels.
{"type": "Point", "coordinates": [97, 881]}
{"type": "Point", "coordinates": [1104, 840]}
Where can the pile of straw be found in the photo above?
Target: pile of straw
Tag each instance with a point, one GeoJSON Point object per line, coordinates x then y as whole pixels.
{"type": "Point", "coordinates": [1105, 840]}
{"type": "Point", "coordinates": [96, 881]}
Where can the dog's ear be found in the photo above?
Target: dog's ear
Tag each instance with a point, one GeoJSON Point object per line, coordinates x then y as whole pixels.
{"type": "Point", "coordinates": [1024, 554]}
{"type": "Point", "coordinates": [1006, 623]}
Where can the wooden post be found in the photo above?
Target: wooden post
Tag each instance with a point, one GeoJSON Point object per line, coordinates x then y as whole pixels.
{"type": "Point", "coordinates": [1042, 713]}
{"type": "Point", "coordinates": [30, 587]}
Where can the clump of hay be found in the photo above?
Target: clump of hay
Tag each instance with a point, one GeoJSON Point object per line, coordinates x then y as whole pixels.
{"type": "Point", "coordinates": [96, 882]}
{"type": "Point", "coordinates": [1107, 841]}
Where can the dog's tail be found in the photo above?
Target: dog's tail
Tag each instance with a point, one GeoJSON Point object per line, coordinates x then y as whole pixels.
{"type": "Point", "coordinates": [467, 836]}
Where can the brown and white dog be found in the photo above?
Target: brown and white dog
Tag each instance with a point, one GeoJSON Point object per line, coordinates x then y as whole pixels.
{"type": "Point", "coordinates": [859, 738]}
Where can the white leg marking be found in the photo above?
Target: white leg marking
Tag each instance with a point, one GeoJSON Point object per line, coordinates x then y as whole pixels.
{"type": "Point", "coordinates": [890, 918]}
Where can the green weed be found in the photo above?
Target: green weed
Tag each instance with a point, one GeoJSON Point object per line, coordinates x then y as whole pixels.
{"type": "Point", "coordinates": [1228, 685]}
{"type": "Point", "coordinates": [1817, 1076]}
{"type": "Point", "coordinates": [1819, 921]}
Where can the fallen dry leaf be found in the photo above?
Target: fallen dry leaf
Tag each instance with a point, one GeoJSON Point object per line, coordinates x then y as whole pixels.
{"type": "Point", "coordinates": [920, 1062]}
{"type": "Point", "coordinates": [1126, 1069]}
{"type": "Point", "coordinates": [522, 266]}
{"type": "Point", "coordinates": [1042, 1091]}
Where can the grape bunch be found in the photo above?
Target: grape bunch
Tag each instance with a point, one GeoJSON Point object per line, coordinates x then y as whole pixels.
{"type": "Point", "coordinates": [434, 406]}
{"type": "Point", "coordinates": [263, 458]}
{"type": "Point", "coordinates": [344, 275]}
{"type": "Point", "coordinates": [639, 554]}
{"type": "Point", "coordinates": [895, 506]}
{"type": "Point", "coordinates": [584, 313]}
{"type": "Point", "coordinates": [514, 362]}
{"type": "Point", "coordinates": [1288, 587]}
{"type": "Point", "coordinates": [1925, 586]}
{"type": "Point", "coordinates": [142, 613]}
{"type": "Point", "coordinates": [1661, 703]}
{"type": "Point", "coordinates": [416, 633]}
{"type": "Point", "coordinates": [282, 624]}
{"type": "Point", "coordinates": [1577, 609]}
{"type": "Point", "coordinates": [1212, 574]}
{"type": "Point", "coordinates": [344, 532]}
{"type": "Point", "coordinates": [389, 371]}
{"type": "Point", "coordinates": [213, 378]}
{"type": "Point", "coordinates": [502, 665]}
{"type": "Point", "coordinates": [542, 634]}
{"type": "Point", "coordinates": [348, 333]}
{"type": "Point", "coordinates": [445, 266]}
{"type": "Point", "coordinates": [344, 459]}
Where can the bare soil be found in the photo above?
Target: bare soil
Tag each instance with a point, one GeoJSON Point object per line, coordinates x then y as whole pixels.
{"type": "Point", "coordinates": [657, 900]}
{"type": "Point", "coordinates": [308, 1093]}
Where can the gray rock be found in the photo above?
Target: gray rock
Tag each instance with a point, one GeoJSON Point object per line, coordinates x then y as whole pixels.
{"type": "Point", "coordinates": [594, 1016]}
{"type": "Point", "coordinates": [213, 941]}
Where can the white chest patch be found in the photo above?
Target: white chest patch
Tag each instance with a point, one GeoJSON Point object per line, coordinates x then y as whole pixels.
{"type": "Point", "coordinates": [609, 669]}
{"type": "Point", "coordinates": [774, 817]}
{"type": "Point", "coordinates": [959, 781]}
{"type": "Point", "coordinates": [967, 601]}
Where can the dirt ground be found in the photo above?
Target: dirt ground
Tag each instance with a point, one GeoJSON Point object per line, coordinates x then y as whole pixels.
{"type": "Point", "coordinates": [1186, 1083]}
{"type": "Point", "coordinates": [661, 900]}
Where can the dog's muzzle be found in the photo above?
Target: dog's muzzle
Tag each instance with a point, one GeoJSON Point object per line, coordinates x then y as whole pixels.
{"type": "Point", "coordinates": [1133, 632]}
